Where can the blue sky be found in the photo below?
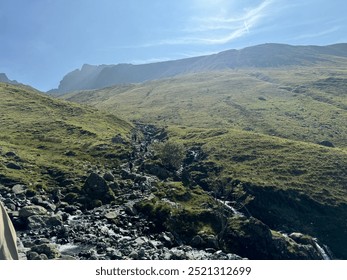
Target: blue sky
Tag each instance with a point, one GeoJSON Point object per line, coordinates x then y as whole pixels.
{"type": "Point", "coordinates": [42, 40]}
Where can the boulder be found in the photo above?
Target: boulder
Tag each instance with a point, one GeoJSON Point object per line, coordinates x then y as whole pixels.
{"type": "Point", "coordinates": [11, 154]}
{"type": "Point", "coordinates": [108, 176]}
{"type": "Point", "coordinates": [19, 189]}
{"type": "Point", "coordinates": [326, 143]}
{"type": "Point", "coordinates": [12, 165]}
{"type": "Point", "coordinates": [96, 188]}
{"type": "Point", "coordinates": [37, 221]}
{"type": "Point", "coordinates": [32, 210]}
{"type": "Point", "coordinates": [50, 250]}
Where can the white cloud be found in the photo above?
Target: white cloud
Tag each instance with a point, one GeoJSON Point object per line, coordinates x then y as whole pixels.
{"type": "Point", "coordinates": [318, 34]}
{"type": "Point", "coordinates": [219, 22]}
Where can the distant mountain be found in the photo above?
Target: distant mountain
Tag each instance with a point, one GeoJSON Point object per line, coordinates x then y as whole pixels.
{"type": "Point", "coordinates": [266, 55]}
{"type": "Point", "coordinates": [5, 79]}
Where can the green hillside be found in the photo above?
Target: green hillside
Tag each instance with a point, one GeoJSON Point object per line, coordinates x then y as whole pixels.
{"type": "Point", "coordinates": [45, 141]}
{"type": "Point", "coordinates": [306, 104]}
{"type": "Point", "coordinates": [291, 185]}
{"type": "Point", "coordinates": [277, 133]}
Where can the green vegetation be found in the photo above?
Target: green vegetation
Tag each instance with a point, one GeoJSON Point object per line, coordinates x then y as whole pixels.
{"type": "Point", "coordinates": [280, 133]}
{"type": "Point", "coordinates": [52, 140]}
{"type": "Point", "coordinates": [170, 153]}
{"type": "Point", "coordinates": [306, 104]}
{"type": "Point", "coordinates": [264, 160]}
{"type": "Point", "coordinates": [183, 210]}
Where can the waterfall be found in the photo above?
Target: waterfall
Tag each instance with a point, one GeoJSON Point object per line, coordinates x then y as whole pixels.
{"type": "Point", "coordinates": [324, 253]}
{"type": "Point", "coordinates": [228, 205]}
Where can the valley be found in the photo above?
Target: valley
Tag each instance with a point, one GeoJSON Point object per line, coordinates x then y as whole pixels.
{"type": "Point", "coordinates": [238, 158]}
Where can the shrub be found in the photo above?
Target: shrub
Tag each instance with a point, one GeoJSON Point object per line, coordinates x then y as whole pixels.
{"type": "Point", "coordinates": [170, 153]}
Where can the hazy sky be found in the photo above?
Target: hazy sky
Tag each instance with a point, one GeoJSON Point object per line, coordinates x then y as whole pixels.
{"type": "Point", "coordinates": [42, 40]}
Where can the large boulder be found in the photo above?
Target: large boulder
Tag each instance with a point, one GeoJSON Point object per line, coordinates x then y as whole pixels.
{"type": "Point", "coordinates": [96, 188]}
{"type": "Point", "coordinates": [50, 250]}
{"type": "Point", "coordinates": [253, 239]}
{"type": "Point", "coordinates": [32, 210]}
{"type": "Point", "coordinates": [37, 221]}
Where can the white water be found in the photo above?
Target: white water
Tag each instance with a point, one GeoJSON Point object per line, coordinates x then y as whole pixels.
{"type": "Point", "coordinates": [321, 250]}
{"type": "Point", "coordinates": [227, 204]}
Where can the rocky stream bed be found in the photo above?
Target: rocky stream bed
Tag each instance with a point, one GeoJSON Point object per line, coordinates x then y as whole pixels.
{"type": "Point", "coordinates": [55, 226]}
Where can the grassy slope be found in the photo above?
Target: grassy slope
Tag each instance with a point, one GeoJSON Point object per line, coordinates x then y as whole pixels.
{"type": "Point", "coordinates": [41, 130]}
{"type": "Point", "coordinates": [303, 104]}
{"type": "Point", "coordinates": [261, 126]}
{"type": "Point", "coordinates": [318, 171]}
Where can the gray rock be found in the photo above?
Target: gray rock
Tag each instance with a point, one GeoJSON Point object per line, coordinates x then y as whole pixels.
{"type": "Point", "coordinates": [156, 244]}
{"type": "Point", "coordinates": [134, 255]}
{"type": "Point", "coordinates": [96, 188]}
{"type": "Point", "coordinates": [114, 254]}
{"type": "Point", "coordinates": [19, 189]}
{"type": "Point", "coordinates": [31, 255]}
{"type": "Point", "coordinates": [167, 239]}
{"type": "Point", "coordinates": [37, 221]}
{"type": "Point", "coordinates": [141, 253]}
{"type": "Point", "coordinates": [112, 215]}
{"type": "Point", "coordinates": [140, 241]}
{"type": "Point", "coordinates": [31, 210]}
{"type": "Point", "coordinates": [11, 154]}
{"type": "Point", "coordinates": [108, 176]}
{"type": "Point", "coordinates": [212, 241]}
{"type": "Point", "coordinates": [130, 208]}
{"type": "Point", "coordinates": [50, 250]}
{"type": "Point", "coordinates": [196, 241]}
{"type": "Point", "coordinates": [12, 165]}
{"type": "Point", "coordinates": [118, 139]}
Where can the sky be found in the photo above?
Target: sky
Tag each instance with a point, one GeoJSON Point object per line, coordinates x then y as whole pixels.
{"type": "Point", "coordinates": [42, 40]}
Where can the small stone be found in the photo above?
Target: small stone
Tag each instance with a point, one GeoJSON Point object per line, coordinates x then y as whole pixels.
{"type": "Point", "coordinates": [134, 255]}
{"type": "Point", "coordinates": [111, 215]}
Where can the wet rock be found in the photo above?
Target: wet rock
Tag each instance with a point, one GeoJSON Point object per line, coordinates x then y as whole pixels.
{"type": "Point", "coordinates": [134, 255]}
{"type": "Point", "coordinates": [178, 254]}
{"type": "Point", "coordinates": [167, 238]}
{"type": "Point", "coordinates": [302, 238]}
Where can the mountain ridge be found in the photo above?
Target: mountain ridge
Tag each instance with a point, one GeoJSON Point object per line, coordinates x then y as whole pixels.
{"type": "Point", "coordinates": [5, 79]}
{"type": "Point", "coordinates": [260, 56]}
